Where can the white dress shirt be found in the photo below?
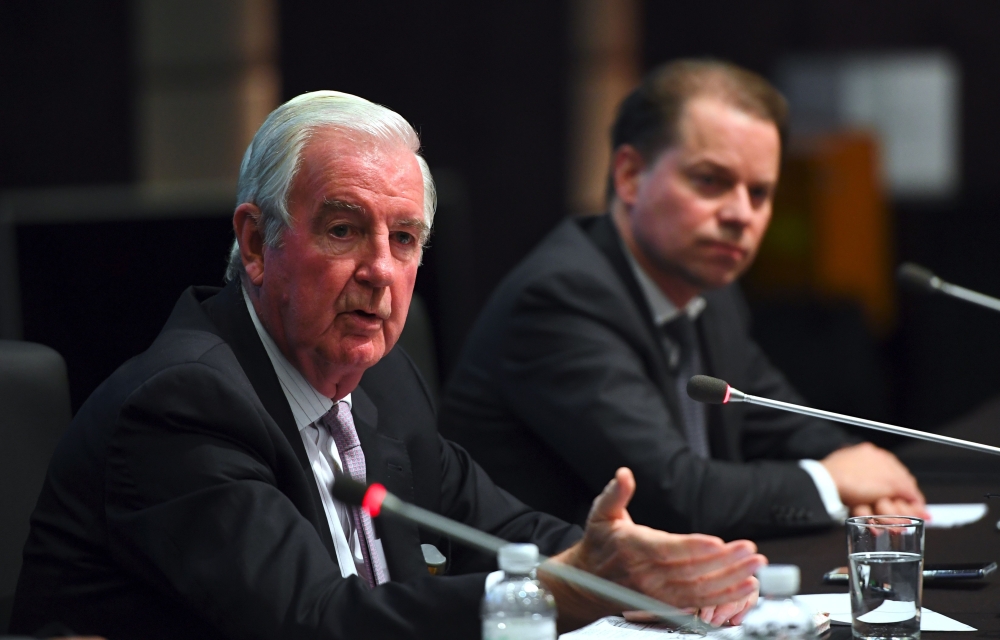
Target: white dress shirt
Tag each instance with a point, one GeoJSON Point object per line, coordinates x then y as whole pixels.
{"type": "Point", "coordinates": [664, 311]}
{"type": "Point", "coordinates": [308, 406]}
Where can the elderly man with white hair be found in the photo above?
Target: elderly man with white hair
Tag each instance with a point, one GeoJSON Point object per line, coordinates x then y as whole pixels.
{"type": "Point", "coordinates": [191, 495]}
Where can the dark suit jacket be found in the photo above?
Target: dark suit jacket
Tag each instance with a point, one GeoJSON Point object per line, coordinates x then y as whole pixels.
{"type": "Point", "coordinates": [564, 379]}
{"type": "Point", "coordinates": [181, 503]}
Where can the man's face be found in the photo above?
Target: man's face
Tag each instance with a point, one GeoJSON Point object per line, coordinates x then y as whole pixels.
{"type": "Point", "coordinates": [699, 211]}
{"type": "Point", "coordinates": [335, 294]}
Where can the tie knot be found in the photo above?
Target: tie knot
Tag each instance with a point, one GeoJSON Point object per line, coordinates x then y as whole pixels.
{"type": "Point", "coordinates": [681, 329]}
{"type": "Point", "coordinates": [681, 334]}
{"type": "Point", "coordinates": [341, 425]}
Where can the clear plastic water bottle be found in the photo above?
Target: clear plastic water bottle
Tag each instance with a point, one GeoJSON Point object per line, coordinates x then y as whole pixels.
{"type": "Point", "coordinates": [518, 606]}
{"type": "Point", "coordinates": [776, 614]}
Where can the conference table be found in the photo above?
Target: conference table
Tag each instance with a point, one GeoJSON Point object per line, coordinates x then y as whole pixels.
{"type": "Point", "coordinates": [946, 475]}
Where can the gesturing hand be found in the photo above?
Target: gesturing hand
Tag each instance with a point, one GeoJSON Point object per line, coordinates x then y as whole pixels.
{"type": "Point", "coordinates": [683, 570]}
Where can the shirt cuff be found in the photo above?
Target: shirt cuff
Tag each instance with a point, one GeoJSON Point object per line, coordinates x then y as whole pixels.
{"type": "Point", "coordinates": [827, 488]}
{"type": "Point", "coordinates": [492, 579]}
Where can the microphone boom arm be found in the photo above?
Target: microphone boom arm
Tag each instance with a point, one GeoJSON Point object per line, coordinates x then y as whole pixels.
{"type": "Point", "coordinates": [739, 396]}
{"type": "Point", "coordinates": [631, 600]}
{"type": "Point", "coordinates": [920, 279]}
{"type": "Point", "coordinates": [969, 295]}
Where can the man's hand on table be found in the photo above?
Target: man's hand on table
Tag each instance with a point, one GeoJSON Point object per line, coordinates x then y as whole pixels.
{"type": "Point", "coordinates": [695, 571]}
{"type": "Point", "coordinates": [872, 481]}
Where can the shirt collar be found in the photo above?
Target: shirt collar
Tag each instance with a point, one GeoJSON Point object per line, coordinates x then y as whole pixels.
{"type": "Point", "coordinates": [308, 405]}
{"type": "Point", "coordinates": [662, 308]}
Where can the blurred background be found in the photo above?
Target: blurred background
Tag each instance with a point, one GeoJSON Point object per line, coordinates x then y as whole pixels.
{"type": "Point", "coordinates": [122, 125]}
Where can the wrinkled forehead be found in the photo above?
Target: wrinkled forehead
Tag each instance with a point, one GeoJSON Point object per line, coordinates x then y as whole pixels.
{"type": "Point", "coordinates": [379, 177]}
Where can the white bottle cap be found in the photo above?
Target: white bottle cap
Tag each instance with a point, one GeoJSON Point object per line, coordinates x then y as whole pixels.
{"type": "Point", "coordinates": [778, 580]}
{"type": "Point", "coordinates": [518, 558]}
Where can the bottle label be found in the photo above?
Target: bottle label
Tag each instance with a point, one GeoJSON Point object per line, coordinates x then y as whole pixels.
{"type": "Point", "coordinates": [519, 629]}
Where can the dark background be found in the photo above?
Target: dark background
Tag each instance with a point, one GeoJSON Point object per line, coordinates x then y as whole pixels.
{"type": "Point", "coordinates": [485, 85]}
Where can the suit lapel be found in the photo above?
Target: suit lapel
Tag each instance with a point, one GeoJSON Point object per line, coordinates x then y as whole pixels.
{"type": "Point", "coordinates": [229, 313]}
{"type": "Point", "coordinates": [604, 235]}
{"type": "Point", "coordinates": [365, 415]}
{"type": "Point", "coordinates": [387, 462]}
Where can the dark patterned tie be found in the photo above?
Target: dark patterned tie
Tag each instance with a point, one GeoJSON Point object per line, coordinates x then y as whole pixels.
{"type": "Point", "coordinates": [685, 362]}
{"type": "Point", "coordinates": [340, 423]}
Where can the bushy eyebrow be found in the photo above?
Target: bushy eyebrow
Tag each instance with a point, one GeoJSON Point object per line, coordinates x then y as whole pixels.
{"type": "Point", "coordinates": [340, 205]}
{"type": "Point", "coordinates": [418, 225]}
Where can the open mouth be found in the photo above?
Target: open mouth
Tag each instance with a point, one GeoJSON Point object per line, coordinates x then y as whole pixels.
{"type": "Point", "coordinates": [364, 320]}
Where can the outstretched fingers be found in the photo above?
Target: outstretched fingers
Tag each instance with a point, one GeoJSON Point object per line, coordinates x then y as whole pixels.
{"type": "Point", "coordinates": [703, 559]}
{"type": "Point", "coordinates": [717, 580]}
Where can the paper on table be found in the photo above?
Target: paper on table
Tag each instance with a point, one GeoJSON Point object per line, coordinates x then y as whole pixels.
{"type": "Point", "coordinates": [890, 611]}
{"type": "Point", "coordinates": [944, 516]}
{"type": "Point", "coordinates": [838, 605]}
{"type": "Point", "coordinates": [618, 628]}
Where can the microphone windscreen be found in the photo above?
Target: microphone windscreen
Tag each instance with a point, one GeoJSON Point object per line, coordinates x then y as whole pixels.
{"type": "Point", "coordinates": [917, 278]}
{"type": "Point", "coordinates": [708, 390]}
{"type": "Point", "coordinates": [348, 490]}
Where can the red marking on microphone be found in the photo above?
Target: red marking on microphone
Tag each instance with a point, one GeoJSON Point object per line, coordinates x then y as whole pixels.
{"type": "Point", "coordinates": [372, 502]}
{"type": "Point", "coordinates": [726, 399]}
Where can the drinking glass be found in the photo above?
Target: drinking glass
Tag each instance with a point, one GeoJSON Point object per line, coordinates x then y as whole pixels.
{"type": "Point", "coordinates": [886, 557]}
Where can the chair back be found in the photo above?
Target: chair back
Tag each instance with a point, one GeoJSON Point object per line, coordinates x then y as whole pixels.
{"type": "Point", "coordinates": [34, 413]}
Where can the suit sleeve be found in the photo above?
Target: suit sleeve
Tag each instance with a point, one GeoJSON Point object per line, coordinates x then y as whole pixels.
{"type": "Point", "coordinates": [193, 507]}
{"type": "Point", "coordinates": [457, 487]}
{"type": "Point", "coordinates": [471, 497]}
{"type": "Point", "coordinates": [577, 381]}
{"type": "Point", "coordinates": [770, 434]}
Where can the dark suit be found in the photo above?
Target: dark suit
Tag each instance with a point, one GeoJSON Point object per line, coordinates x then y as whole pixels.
{"type": "Point", "coordinates": [181, 503]}
{"type": "Point", "coordinates": [564, 378]}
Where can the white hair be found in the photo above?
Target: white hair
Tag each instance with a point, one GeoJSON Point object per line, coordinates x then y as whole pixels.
{"type": "Point", "coordinates": [273, 157]}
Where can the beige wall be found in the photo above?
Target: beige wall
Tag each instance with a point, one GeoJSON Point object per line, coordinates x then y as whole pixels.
{"type": "Point", "coordinates": [606, 60]}
{"type": "Point", "coordinates": [207, 77]}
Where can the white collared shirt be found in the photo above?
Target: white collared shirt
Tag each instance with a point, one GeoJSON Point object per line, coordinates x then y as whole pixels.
{"type": "Point", "coordinates": [309, 405]}
{"type": "Point", "coordinates": [660, 306]}
{"type": "Point", "coordinates": [664, 311]}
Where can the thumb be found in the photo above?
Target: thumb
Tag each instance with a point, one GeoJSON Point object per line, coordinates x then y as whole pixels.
{"type": "Point", "coordinates": [610, 505]}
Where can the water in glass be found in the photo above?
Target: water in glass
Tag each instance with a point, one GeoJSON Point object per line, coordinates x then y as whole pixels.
{"type": "Point", "coordinates": [885, 594]}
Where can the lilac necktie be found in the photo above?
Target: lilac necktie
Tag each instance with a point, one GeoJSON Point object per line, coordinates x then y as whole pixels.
{"type": "Point", "coordinates": [341, 426]}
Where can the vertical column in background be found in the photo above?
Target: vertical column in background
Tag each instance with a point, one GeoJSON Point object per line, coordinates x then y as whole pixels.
{"type": "Point", "coordinates": [605, 67]}
{"type": "Point", "coordinates": [206, 78]}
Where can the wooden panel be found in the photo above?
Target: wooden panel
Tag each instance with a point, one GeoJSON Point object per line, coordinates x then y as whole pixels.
{"type": "Point", "coordinates": [831, 230]}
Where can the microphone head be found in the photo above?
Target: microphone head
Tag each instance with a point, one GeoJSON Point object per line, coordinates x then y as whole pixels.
{"type": "Point", "coordinates": [348, 490]}
{"type": "Point", "coordinates": [917, 278]}
{"type": "Point", "coordinates": [708, 390]}
{"type": "Point", "coordinates": [356, 494]}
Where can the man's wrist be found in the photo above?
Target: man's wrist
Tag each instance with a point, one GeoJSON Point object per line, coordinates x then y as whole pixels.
{"type": "Point", "coordinates": [577, 607]}
{"type": "Point", "coordinates": [826, 487]}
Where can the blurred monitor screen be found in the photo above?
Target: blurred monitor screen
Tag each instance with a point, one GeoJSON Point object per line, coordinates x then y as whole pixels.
{"type": "Point", "coordinates": [911, 99]}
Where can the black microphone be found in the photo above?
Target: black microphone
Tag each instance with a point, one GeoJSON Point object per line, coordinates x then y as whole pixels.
{"type": "Point", "coordinates": [917, 278]}
{"type": "Point", "coordinates": [711, 390]}
{"type": "Point", "coordinates": [375, 499]}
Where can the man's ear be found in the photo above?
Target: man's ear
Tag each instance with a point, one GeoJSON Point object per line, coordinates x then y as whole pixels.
{"type": "Point", "coordinates": [251, 241]}
{"type": "Point", "coordinates": [627, 167]}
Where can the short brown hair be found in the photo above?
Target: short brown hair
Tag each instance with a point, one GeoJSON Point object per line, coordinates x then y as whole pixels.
{"type": "Point", "coordinates": [648, 118]}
